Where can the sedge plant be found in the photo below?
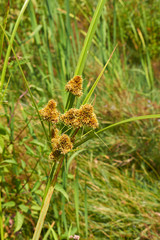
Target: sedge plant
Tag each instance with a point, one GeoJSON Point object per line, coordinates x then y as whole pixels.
{"type": "Point", "coordinates": [65, 127]}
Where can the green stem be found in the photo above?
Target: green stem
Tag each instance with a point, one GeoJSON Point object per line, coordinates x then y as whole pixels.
{"type": "Point", "coordinates": [1, 218]}
{"type": "Point", "coordinates": [49, 183]}
{"type": "Point", "coordinates": [46, 200]}
{"type": "Point", "coordinates": [11, 43]}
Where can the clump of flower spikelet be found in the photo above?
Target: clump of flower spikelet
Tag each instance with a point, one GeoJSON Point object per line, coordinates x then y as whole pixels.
{"type": "Point", "coordinates": [76, 118]}
{"type": "Point", "coordinates": [87, 116]}
{"type": "Point", "coordinates": [75, 86]}
{"type": "Point", "coordinates": [49, 112]}
{"type": "Point", "coordinates": [60, 145]}
{"type": "Point", "coordinates": [71, 118]}
{"type": "Point", "coordinates": [80, 117]}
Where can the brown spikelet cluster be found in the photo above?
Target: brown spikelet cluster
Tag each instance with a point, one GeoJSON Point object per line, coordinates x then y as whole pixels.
{"type": "Point", "coordinates": [75, 86]}
{"type": "Point", "coordinates": [60, 145]}
{"type": "Point", "coordinates": [87, 116]}
{"type": "Point", "coordinates": [79, 117]}
{"type": "Point", "coordinates": [49, 112]}
{"type": "Point", "coordinates": [71, 117]}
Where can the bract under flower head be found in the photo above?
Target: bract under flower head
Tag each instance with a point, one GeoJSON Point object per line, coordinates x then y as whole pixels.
{"type": "Point", "coordinates": [75, 86]}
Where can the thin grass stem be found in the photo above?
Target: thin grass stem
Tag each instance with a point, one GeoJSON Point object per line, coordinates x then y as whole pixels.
{"type": "Point", "coordinates": [47, 200]}
{"type": "Point", "coordinates": [11, 43]}
{"type": "Point", "coordinates": [28, 88]}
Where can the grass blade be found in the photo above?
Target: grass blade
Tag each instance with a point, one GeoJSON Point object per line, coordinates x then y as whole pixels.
{"type": "Point", "coordinates": [92, 134]}
{"type": "Point", "coordinates": [86, 46]}
{"type": "Point", "coordinates": [1, 217]}
{"type": "Point", "coordinates": [28, 88]}
{"type": "Point", "coordinates": [76, 199]}
{"type": "Point", "coordinates": [97, 80]}
{"type": "Point", "coordinates": [11, 42]}
{"type": "Point", "coordinates": [4, 25]}
{"type": "Point", "coordinates": [89, 37]}
{"type": "Point", "coordinates": [86, 211]}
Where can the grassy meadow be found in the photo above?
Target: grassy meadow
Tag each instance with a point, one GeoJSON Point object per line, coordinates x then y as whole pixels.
{"type": "Point", "coordinates": [106, 184]}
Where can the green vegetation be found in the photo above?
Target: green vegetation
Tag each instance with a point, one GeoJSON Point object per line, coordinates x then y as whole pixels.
{"type": "Point", "coordinates": [107, 185]}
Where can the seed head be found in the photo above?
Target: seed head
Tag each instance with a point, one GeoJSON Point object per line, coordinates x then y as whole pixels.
{"type": "Point", "coordinates": [65, 144]}
{"type": "Point", "coordinates": [49, 112]}
{"type": "Point", "coordinates": [75, 86]}
{"type": "Point", "coordinates": [71, 117]}
{"type": "Point", "coordinates": [62, 144]}
{"type": "Point", "coordinates": [55, 143]}
{"type": "Point", "coordinates": [93, 122]}
{"type": "Point", "coordinates": [87, 116]}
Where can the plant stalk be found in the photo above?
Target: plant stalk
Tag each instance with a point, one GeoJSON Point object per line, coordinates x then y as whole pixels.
{"type": "Point", "coordinates": [47, 200]}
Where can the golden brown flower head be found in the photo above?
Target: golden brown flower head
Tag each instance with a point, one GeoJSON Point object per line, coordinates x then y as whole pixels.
{"type": "Point", "coordinates": [62, 144]}
{"type": "Point", "coordinates": [65, 144]}
{"type": "Point", "coordinates": [87, 116]}
{"type": "Point", "coordinates": [75, 86]}
{"type": "Point", "coordinates": [49, 112]}
{"type": "Point", "coordinates": [93, 122]}
{"type": "Point", "coordinates": [52, 104]}
{"type": "Point", "coordinates": [71, 117]}
{"type": "Point", "coordinates": [79, 117]}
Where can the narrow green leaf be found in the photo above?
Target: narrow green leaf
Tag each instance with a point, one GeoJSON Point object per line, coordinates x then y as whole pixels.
{"type": "Point", "coordinates": [4, 25]}
{"type": "Point", "coordinates": [86, 210]}
{"type": "Point", "coordinates": [97, 80]}
{"type": "Point", "coordinates": [1, 216]}
{"type": "Point", "coordinates": [37, 143]}
{"type": "Point", "coordinates": [60, 189]}
{"type": "Point", "coordinates": [72, 157]}
{"type": "Point", "coordinates": [1, 145]}
{"type": "Point", "coordinates": [86, 46]}
{"type": "Point", "coordinates": [76, 199]}
{"type": "Point", "coordinates": [11, 42]}
{"type": "Point", "coordinates": [54, 234]}
{"type": "Point", "coordinates": [29, 90]}
{"type": "Point", "coordinates": [9, 204]}
{"type": "Point", "coordinates": [2, 129]}
{"type": "Point", "coordinates": [24, 208]}
{"type": "Point", "coordinates": [10, 161]}
{"type": "Point", "coordinates": [89, 37]}
{"type": "Point", "coordinates": [18, 221]}
{"type": "Point", "coordinates": [36, 186]}
{"type": "Point", "coordinates": [35, 26]}
{"type": "Point", "coordinates": [92, 134]}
